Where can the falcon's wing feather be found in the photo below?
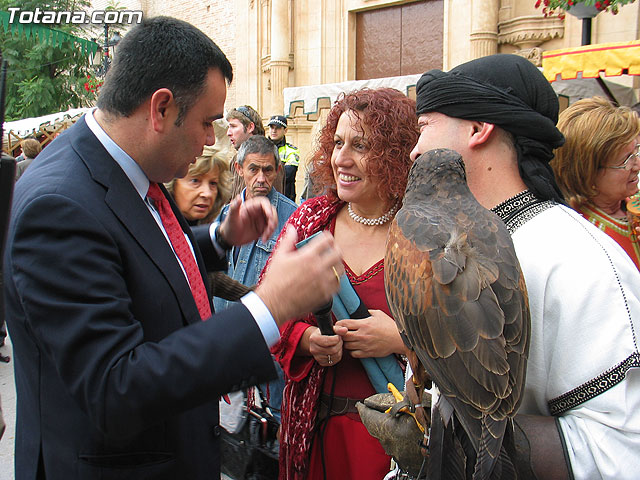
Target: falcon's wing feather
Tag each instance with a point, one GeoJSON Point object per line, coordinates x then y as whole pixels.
{"type": "Point", "coordinates": [496, 383]}
{"type": "Point", "coordinates": [446, 264]}
{"type": "Point", "coordinates": [460, 327]}
{"type": "Point", "coordinates": [486, 314]}
{"type": "Point", "coordinates": [492, 356]}
{"type": "Point", "coordinates": [490, 445]}
{"type": "Point", "coordinates": [442, 343]}
{"type": "Point", "coordinates": [454, 380]}
{"type": "Point", "coordinates": [408, 285]}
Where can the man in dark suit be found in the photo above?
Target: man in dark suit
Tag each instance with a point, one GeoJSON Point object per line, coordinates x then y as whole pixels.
{"type": "Point", "coordinates": [116, 374]}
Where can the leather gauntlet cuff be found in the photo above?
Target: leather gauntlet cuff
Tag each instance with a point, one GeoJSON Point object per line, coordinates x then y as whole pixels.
{"type": "Point", "coordinates": [537, 449]}
{"type": "Point", "coordinates": [564, 450]}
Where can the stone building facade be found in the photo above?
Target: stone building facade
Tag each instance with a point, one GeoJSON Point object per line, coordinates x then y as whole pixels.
{"type": "Point", "coordinates": [276, 44]}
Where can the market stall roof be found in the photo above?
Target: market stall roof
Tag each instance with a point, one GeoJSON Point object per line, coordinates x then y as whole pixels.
{"type": "Point", "coordinates": [588, 61]}
{"type": "Point", "coordinates": [28, 126]}
{"type": "Point", "coordinates": [580, 88]}
{"type": "Point", "coordinates": [314, 97]}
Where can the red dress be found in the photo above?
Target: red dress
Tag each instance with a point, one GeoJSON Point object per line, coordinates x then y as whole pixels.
{"type": "Point", "coordinates": [349, 452]}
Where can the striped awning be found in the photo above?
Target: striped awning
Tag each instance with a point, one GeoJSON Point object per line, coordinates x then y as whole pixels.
{"type": "Point", "coordinates": [613, 59]}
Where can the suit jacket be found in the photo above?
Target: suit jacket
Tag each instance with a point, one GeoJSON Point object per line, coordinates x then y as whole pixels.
{"type": "Point", "coordinates": [116, 375]}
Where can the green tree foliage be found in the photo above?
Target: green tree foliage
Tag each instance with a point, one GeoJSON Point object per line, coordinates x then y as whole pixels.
{"type": "Point", "coordinates": [42, 78]}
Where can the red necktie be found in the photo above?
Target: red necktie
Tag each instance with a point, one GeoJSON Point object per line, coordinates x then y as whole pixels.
{"type": "Point", "coordinates": [181, 247]}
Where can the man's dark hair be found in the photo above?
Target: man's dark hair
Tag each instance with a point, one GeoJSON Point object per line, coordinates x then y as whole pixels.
{"type": "Point", "coordinates": [161, 52]}
{"type": "Point", "coordinates": [258, 144]}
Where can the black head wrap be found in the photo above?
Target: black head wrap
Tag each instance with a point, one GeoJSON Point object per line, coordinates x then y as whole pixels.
{"type": "Point", "coordinates": [511, 93]}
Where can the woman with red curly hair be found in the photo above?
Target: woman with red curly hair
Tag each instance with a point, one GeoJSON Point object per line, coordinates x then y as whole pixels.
{"type": "Point", "coordinates": [361, 163]}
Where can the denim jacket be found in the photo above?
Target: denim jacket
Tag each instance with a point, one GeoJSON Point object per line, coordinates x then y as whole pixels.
{"type": "Point", "coordinates": [251, 261]}
{"type": "Point", "coordinates": [253, 256]}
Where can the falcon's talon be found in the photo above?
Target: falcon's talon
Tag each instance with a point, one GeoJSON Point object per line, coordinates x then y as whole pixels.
{"type": "Point", "coordinates": [395, 392]}
{"type": "Point", "coordinates": [403, 405]}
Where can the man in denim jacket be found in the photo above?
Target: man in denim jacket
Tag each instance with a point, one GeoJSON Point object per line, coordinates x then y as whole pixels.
{"type": "Point", "coordinates": [258, 163]}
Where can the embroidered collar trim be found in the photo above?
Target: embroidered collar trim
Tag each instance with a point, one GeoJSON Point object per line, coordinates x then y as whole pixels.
{"type": "Point", "coordinates": [519, 209]}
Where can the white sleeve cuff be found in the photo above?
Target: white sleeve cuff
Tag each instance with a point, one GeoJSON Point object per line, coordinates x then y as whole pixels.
{"type": "Point", "coordinates": [212, 233]}
{"type": "Point", "coordinates": [263, 318]}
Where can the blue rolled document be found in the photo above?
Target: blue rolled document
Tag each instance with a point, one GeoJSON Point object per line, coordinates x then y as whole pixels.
{"type": "Point", "coordinates": [383, 370]}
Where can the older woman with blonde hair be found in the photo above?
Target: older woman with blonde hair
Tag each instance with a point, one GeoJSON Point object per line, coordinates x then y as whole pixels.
{"type": "Point", "coordinates": [597, 168]}
{"type": "Point", "coordinates": [202, 193]}
{"type": "Point", "coordinates": [200, 196]}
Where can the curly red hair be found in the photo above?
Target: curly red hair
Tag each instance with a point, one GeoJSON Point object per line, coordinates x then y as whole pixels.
{"type": "Point", "coordinates": [391, 119]}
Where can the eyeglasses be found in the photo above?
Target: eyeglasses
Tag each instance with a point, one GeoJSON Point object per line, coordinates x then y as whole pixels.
{"type": "Point", "coordinates": [628, 162]}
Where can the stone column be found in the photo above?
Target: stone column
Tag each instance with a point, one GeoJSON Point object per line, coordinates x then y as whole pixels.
{"type": "Point", "coordinates": [484, 27]}
{"type": "Point", "coordinates": [279, 54]}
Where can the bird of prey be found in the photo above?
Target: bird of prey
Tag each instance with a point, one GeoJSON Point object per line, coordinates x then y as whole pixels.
{"type": "Point", "coordinates": [455, 288]}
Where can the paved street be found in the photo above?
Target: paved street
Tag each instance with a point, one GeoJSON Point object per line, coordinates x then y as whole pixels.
{"type": "Point", "coordinates": [8, 394]}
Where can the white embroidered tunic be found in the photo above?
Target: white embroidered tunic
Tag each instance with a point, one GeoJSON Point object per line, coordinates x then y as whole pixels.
{"type": "Point", "coordinates": [583, 366]}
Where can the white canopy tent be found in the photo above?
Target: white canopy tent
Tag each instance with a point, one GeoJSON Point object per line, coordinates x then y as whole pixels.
{"type": "Point", "coordinates": [28, 126]}
{"type": "Point", "coordinates": [44, 128]}
{"type": "Point", "coordinates": [313, 97]}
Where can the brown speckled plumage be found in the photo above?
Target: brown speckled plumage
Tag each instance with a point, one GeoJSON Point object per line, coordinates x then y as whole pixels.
{"type": "Point", "coordinates": [456, 290]}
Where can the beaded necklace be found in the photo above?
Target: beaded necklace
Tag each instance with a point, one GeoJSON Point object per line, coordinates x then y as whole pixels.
{"type": "Point", "coordinates": [374, 221]}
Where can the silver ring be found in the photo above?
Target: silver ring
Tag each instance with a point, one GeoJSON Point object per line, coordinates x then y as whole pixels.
{"type": "Point", "coordinates": [329, 359]}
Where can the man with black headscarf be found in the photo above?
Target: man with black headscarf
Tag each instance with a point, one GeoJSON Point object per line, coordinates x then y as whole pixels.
{"type": "Point", "coordinates": [580, 415]}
